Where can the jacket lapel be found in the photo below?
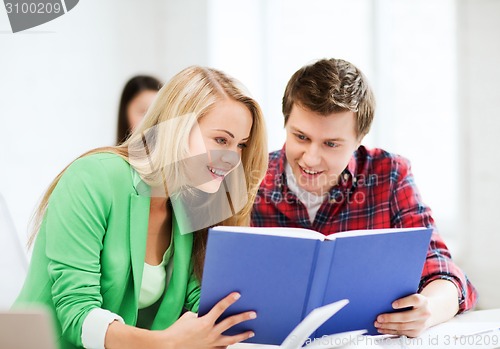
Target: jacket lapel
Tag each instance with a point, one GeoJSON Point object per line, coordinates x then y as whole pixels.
{"type": "Point", "coordinates": [174, 297]}
{"type": "Point", "coordinates": [139, 208]}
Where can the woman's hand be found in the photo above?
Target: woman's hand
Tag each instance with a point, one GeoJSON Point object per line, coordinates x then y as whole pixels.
{"type": "Point", "coordinates": [193, 332]}
{"type": "Point", "coordinates": [188, 332]}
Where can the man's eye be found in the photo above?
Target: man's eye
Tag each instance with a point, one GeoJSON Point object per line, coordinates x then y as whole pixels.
{"type": "Point", "coordinates": [301, 137]}
{"type": "Point", "coordinates": [331, 144]}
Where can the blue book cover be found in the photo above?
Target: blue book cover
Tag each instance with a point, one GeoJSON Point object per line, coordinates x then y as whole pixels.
{"type": "Point", "coordinates": [285, 273]}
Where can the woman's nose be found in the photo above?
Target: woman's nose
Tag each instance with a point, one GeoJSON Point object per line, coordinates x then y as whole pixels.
{"type": "Point", "coordinates": [230, 157]}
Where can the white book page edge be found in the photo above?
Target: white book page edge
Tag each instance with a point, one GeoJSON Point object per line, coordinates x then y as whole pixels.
{"type": "Point", "coordinates": [362, 232]}
{"type": "Point", "coordinates": [335, 340]}
{"type": "Point", "coordinates": [310, 323]}
{"type": "Point", "coordinates": [274, 231]}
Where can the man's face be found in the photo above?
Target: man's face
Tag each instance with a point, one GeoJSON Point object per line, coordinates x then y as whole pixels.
{"type": "Point", "coordinates": [319, 147]}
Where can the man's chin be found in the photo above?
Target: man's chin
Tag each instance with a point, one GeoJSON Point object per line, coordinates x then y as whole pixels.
{"type": "Point", "coordinates": [314, 190]}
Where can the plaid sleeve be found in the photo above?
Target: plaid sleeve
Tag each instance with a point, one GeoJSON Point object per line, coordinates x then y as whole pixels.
{"type": "Point", "coordinates": [261, 211]}
{"type": "Point", "coordinates": [408, 210]}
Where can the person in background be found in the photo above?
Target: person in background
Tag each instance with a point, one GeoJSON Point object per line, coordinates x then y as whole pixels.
{"type": "Point", "coordinates": [324, 179]}
{"type": "Point", "coordinates": [111, 261]}
{"type": "Point", "coordinates": [137, 95]}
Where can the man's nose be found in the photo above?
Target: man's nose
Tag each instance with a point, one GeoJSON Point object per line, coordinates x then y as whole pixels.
{"type": "Point", "coordinates": [312, 156]}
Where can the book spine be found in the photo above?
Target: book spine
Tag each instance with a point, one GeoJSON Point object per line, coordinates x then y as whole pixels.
{"type": "Point", "coordinates": [305, 309]}
{"type": "Point", "coordinates": [320, 273]}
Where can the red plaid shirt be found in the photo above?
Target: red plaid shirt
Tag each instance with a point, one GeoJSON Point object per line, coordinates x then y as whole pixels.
{"type": "Point", "coordinates": [376, 190]}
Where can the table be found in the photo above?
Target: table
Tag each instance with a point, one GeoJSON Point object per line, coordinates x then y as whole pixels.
{"type": "Point", "coordinates": [475, 329]}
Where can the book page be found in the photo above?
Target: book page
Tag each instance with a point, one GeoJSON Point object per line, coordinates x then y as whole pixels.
{"type": "Point", "coordinates": [361, 232]}
{"type": "Point", "coordinates": [335, 340]}
{"type": "Point", "coordinates": [310, 323]}
{"type": "Point", "coordinates": [275, 231]}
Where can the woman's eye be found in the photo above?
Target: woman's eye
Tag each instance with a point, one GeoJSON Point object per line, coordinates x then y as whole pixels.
{"type": "Point", "coordinates": [242, 145]}
{"type": "Point", "coordinates": [220, 140]}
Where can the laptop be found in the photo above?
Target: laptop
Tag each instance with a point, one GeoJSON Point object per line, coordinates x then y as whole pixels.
{"type": "Point", "coordinates": [26, 329]}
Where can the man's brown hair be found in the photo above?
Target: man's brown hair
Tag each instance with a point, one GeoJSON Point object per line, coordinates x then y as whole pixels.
{"type": "Point", "coordinates": [329, 86]}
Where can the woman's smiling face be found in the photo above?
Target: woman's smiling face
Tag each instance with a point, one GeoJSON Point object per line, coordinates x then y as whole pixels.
{"type": "Point", "coordinates": [218, 142]}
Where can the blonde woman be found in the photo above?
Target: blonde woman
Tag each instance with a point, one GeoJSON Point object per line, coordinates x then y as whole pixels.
{"type": "Point", "coordinates": [114, 260]}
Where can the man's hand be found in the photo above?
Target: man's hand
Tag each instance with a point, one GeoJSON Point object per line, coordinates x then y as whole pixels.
{"type": "Point", "coordinates": [438, 302]}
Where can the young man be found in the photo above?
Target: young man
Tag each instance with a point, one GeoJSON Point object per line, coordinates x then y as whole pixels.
{"type": "Point", "coordinates": [323, 179]}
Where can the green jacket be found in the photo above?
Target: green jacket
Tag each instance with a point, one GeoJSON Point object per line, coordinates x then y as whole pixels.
{"type": "Point", "coordinates": [91, 247]}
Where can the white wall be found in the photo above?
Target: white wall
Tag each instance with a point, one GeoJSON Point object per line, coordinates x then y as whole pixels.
{"type": "Point", "coordinates": [479, 96]}
{"type": "Point", "coordinates": [60, 85]}
{"type": "Point", "coordinates": [415, 86]}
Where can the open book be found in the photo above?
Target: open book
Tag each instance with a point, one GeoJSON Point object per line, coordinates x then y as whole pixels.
{"type": "Point", "coordinates": [285, 273]}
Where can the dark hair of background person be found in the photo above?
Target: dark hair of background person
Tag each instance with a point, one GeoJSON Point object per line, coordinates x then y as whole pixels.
{"type": "Point", "coordinates": [132, 88]}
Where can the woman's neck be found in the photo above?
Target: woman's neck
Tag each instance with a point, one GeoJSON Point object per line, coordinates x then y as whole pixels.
{"type": "Point", "coordinates": [158, 203]}
{"type": "Point", "coordinates": [159, 230]}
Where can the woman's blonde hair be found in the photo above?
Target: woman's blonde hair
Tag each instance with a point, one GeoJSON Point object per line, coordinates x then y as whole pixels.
{"type": "Point", "coordinates": [156, 147]}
